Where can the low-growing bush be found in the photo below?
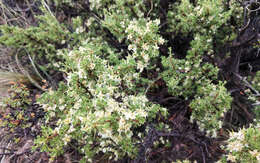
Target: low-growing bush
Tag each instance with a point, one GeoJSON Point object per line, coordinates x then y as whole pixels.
{"type": "Point", "coordinates": [105, 97]}
{"type": "Point", "coordinates": [102, 104]}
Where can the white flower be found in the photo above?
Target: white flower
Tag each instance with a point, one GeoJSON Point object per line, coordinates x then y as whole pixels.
{"type": "Point", "coordinates": [62, 107]}
{"type": "Point", "coordinates": [72, 129]}
{"type": "Point", "coordinates": [82, 49]}
{"type": "Point", "coordinates": [145, 57]}
{"type": "Point", "coordinates": [79, 30]}
{"type": "Point", "coordinates": [90, 21]}
{"type": "Point", "coordinates": [220, 123]}
{"type": "Point", "coordinates": [237, 135]}
{"type": "Point", "coordinates": [66, 139]}
{"type": "Point", "coordinates": [92, 66]}
{"type": "Point", "coordinates": [156, 47]}
{"type": "Point", "coordinates": [235, 146]}
{"type": "Point", "coordinates": [106, 133]}
{"type": "Point", "coordinates": [77, 105]}
{"type": "Point", "coordinates": [141, 113]}
{"type": "Point", "coordinates": [130, 36]}
{"type": "Point", "coordinates": [161, 41]}
{"type": "Point", "coordinates": [147, 30]}
{"type": "Point", "coordinates": [145, 47]}
{"type": "Point", "coordinates": [157, 21]}
{"type": "Point", "coordinates": [129, 115]}
{"type": "Point", "coordinates": [140, 66]}
{"type": "Point", "coordinates": [258, 157]}
{"type": "Point", "coordinates": [67, 121]}
{"type": "Point", "coordinates": [132, 47]}
{"type": "Point", "coordinates": [70, 53]}
{"type": "Point", "coordinates": [254, 153]}
{"type": "Point", "coordinates": [231, 158]}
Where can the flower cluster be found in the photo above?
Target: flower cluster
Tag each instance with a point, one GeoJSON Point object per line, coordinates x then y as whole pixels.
{"type": "Point", "coordinates": [243, 146]}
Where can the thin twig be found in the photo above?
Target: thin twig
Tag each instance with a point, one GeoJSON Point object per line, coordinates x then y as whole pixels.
{"type": "Point", "coordinates": [167, 99]}
{"type": "Point", "coordinates": [247, 84]}
{"type": "Point", "coordinates": [152, 84]}
{"type": "Point", "coordinates": [10, 153]}
{"type": "Point", "coordinates": [4, 148]}
{"type": "Point", "coordinates": [48, 8]}
{"type": "Point", "coordinates": [27, 74]}
{"type": "Point", "coordinates": [203, 155]}
{"type": "Point", "coordinates": [151, 8]}
{"type": "Point", "coordinates": [37, 72]}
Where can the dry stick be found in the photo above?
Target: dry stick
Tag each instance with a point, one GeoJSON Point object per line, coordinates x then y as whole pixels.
{"type": "Point", "coordinates": [6, 153]}
{"type": "Point", "coordinates": [203, 155]}
{"type": "Point", "coordinates": [2, 7]}
{"type": "Point", "coordinates": [151, 8]}
{"type": "Point", "coordinates": [255, 9]}
{"type": "Point", "coordinates": [37, 72]}
{"type": "Point", "coordinates": [245, 110]}
{"type": "Point", "coordinates": [6, 148]}
{"type": "Point", "coordinates": [152, 84]}
{"type": "Point", "coordinates": [12, 13]}
{"type": "Point", "coordinates": [3, 158]}
{"type": "Point", "coordinates": [243, 28]}
{"type": "Point", "coordinates": [167, 99]}
{"type": "Point", "coordinates": [27, 9]}
{"type": "Point", "coordinates": [231, 116]}
{"type": "Point", "coordinates": [48, 8]}
{"type": "Point", "coordinates": [27, 74]}
{"type": "Point", "coordinates": [247, 84]}
{"type": "Point", "coordinates": [235, 44]}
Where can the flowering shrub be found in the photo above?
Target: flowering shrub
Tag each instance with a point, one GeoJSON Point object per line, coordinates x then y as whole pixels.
{"type": "Point", "coordinates": [101, 105]}
{"type": "Point", "coordinates": [243, 146]}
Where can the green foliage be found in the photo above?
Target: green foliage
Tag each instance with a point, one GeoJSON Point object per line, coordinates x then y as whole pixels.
{"type": "Point", "coordinates": [243, 146]}
{"type": "Point", "coordinates": [191, 77]}
{"type": "Point", "coordinates": [40, 41]}
{"type": "Point", "coordinates": [206, 18]}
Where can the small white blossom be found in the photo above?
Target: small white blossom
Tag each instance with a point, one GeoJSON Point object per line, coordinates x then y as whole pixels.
{"type": "Point", "coordinates": [79, 30]}
{"type": "Point", "coordinates": [157, 22]}
{"type": "Point", "coordinates": [231, 158]}
{"type": "Point", "coordinates": [161, 41]}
